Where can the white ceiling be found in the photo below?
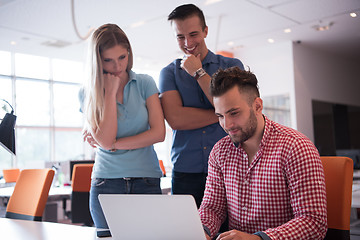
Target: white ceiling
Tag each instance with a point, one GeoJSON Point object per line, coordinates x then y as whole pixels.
{"type": "Point", "coordinates": [246, 23]}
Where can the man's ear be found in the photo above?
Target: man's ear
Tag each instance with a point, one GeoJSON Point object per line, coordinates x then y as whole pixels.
{"type": "Point", "coordinates": [206, 29]}
{"type": "Point", "coordinates": [258, 105]}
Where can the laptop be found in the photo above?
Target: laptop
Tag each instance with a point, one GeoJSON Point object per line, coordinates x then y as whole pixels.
{"type": "Point", "coordinates": [152, 217]}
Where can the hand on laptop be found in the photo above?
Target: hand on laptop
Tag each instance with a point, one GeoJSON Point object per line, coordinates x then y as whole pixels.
{"type": "Point", "coordinates": [235, 235]}
{"type": "Point", "coordinates": [207, 236]}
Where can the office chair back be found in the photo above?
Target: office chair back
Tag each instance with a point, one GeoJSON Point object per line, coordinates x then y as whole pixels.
{"type": "Point", "coordinates": [162, 167]}
{"type": "Point", "coordinates": [81, 183]}
{"type": "Point", "coordinates": [338, 180]}
{"type": "Point", "coordinates": [30, 194]}
{"type": "Point", "coordinates": [11, 175]}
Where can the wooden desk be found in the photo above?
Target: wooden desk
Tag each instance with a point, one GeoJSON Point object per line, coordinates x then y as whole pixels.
{"type": "Point", "coordinates": [56, 194]}
{"type": "Point", "coordinates": [31, 230]}
{"type": "Point", "coordinates": [60, 193]}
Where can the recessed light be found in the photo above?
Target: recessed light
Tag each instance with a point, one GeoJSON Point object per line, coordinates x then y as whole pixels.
{"type": "Point", "coordinates": [270, 40]}
{"type": "Point", "coordinates": [209, 2]}
{"type": "Point", "coordinates": [137, 24]}
{"type": "Point", "coordinates": [353, 14]}
{"type": "Point", "coordinates": [322, 26]}
{"type": "Point", "coordinates": [237, 47]}
{"type": "Point", "coordinates": [287, 30]}
{"type": "Point", "coordinates": [231, 43]}
{"type": "Point", "coordinates": [13, 43]}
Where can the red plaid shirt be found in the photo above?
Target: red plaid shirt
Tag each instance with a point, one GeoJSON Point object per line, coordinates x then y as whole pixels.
{"type": "Point", "coordinates": [281, 193]}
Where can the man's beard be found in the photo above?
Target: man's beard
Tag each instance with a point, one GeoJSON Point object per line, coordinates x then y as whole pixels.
{"type": "Point", "coordinates": [246, 133]}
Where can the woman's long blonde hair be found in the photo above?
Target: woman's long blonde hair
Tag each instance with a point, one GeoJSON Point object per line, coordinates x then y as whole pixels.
{"type": "Point", "coordinates": [105, 37]}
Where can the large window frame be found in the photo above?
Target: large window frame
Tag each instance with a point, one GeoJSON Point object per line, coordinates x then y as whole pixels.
{"type": "Point", "coordinates": [44, 133]}
{"type": "Point", "coordinates": [50, 133]}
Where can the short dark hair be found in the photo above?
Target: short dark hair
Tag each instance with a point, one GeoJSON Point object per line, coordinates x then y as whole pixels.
{"type": "Point", "coordinates": [187, 10]}
{"type": "Point", "coordinates": [224, 80]}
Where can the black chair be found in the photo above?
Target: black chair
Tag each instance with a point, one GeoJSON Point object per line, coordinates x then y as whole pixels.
{"type": "Point", "coordinates": [81, 182]}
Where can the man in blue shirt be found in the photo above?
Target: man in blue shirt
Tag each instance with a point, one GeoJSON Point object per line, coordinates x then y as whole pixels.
{"type": "Point", "coordinates": [187, 104]}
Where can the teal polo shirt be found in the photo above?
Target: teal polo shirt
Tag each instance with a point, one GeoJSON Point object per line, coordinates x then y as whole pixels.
{"type": "Point", "coordinates": [133, 119]}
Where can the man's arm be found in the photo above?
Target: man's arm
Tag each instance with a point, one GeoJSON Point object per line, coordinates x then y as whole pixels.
{"type": "Point", "coordinates": [184, 118]}
{"type": "Point", "coordinates": [191, 64]}
{"type": "Point", "coordinates": [306, 182]}
{"type": "Point", "coordinates": [213, 208]}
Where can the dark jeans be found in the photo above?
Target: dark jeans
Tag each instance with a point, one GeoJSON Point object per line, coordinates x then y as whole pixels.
{"type": "Point", "coordinates": [117, 186]}
{"type": "Point", "coordinates": [189, 183]}
{"type": "Point", "coordinates": [193, 184]}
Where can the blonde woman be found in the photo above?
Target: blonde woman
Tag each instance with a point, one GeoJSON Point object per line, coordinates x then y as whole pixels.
{"type": "Point", "coordinates": [124, 120]}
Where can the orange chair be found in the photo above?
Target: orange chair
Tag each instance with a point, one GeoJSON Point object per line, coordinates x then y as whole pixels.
{"type": "Point", "coordinates": [338, 180]}
{"type": "Point", "coordinates": [162, 167]}
{"type": "Point", "coordinates": [30, 194]}
{"type": "Point", "coordinates": [11, 175]}
{"type": "Point", "coordinates": [81, 183]}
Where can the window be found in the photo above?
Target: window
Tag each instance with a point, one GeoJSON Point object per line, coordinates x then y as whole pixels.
{"type": "Point", "coordinates": [66, 105]}
{"type": "Point", "coordinates": [5, 93]}
{"type": "Point", "coordinates": [277, 108]}
{"type": "Point", "coordinates": [5, 63]}
{"type": "Point", "coordinates": [44, 95]}
{"type": "Point", "coordinates": [32, 102]}
{"type": "Point", "coordinates": [32, 66]}
{"type": "Point", "coordinates": [67, 71]}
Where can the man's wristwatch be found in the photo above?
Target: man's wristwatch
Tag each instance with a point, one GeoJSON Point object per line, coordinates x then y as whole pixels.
{"type": "Point", "coordinates": [199, 73]}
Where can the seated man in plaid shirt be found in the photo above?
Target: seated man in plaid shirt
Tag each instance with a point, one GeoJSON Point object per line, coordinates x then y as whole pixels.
{"type": "Point", "coordinates": [267, 178]}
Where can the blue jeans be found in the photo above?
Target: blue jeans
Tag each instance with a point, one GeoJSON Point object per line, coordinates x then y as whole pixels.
{"type": "Point", "coordinates": [117, 186]}
{"type": "Point", "coordinates": [189, 183]}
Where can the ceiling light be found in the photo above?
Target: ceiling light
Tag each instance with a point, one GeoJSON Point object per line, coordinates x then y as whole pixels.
{"type": "Point", "coordinates": [56, 43]}
{"type": "Point", "coordinates": [323, 27]}
{"type": "Point", "coordinates": [237, 47]}
{"type": "Point", "coordinates": [137, 24]}
{"type": "Point", "coordinates": [353, 14]}
{"type": "Point", "coordinates": [270, 40]}
{"type": "Point", "coordinates": [209, 2]}
{"type": "Point", "coordinates": [13, 43]}
{"type": "Point", "coordinates": [231, 43]}
{"type": "Point", "coordinates": [287, 30]}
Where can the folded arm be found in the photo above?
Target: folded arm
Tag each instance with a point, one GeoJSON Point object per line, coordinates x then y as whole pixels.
{"type": "Point", "coordinates": [156, 132]}
{"type": "Point", "coordinates": [105, 134]}
{"type": "Point", "coordinates": [184, 118]}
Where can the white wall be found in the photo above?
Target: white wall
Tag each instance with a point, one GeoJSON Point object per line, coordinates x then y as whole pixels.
{"type": "Point", "coordinates": [325, 77]}
{"type": "Point", "coordinates": [305, 74]}
{"type": "Point", "coordinates": [273, 66]}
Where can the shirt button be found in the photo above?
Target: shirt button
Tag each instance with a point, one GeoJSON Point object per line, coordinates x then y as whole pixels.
{"type": "Point", "coordinates": [244, 208]}
{"type": "Point", "coordinates": [205, 148]}
{"type": "Point", "coordinates": [204, 131]}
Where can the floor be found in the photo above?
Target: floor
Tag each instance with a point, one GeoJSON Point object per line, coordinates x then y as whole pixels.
{"type": "Point", "coordinates": [355, 229]}
{"type": "Point", "coordinates": [354, 237]}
